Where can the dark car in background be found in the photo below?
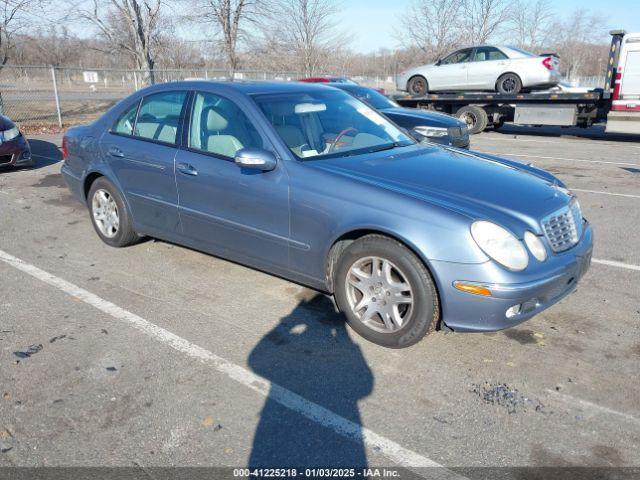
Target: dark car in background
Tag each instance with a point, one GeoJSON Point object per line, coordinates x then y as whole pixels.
{"type": "Point", "coordinates": [14, 147]}
{"type": "Point", "coordinates": [422, 124]}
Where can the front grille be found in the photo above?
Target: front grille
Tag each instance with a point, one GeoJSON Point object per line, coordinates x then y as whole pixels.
{"type": "Point", "coordinates": [563, 228]}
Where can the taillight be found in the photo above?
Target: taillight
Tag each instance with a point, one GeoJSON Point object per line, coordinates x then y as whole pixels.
{"type": "Point", "coordinates": [64, 148]}
{"type": "Point", "coordinates": [547, 63]}
{"type": "Point", "coordinates": [616, 86]}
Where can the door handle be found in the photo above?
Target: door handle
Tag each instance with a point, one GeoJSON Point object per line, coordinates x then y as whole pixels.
{"type": "Point", "coordinates": [116, 152]}
{"type": "Point", "coordinates": [187, 169]}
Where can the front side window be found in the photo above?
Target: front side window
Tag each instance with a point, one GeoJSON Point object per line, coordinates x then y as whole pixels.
{"type": "Point", "coordinates": [159, 116]}
{"type": "Point", "coordinates": [218, 126]}
{"type": "Point", "coordinates": [126, 121]}
{"type": "Point", "coordinates": [318, 125]}
{"type": "Point", "coordinates": [457, 57]}
{"type": "Point", "coordinates": [484, 54]}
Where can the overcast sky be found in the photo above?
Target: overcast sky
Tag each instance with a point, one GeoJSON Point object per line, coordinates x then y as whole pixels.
{"type": "Point", "coordinates": [372, 21]}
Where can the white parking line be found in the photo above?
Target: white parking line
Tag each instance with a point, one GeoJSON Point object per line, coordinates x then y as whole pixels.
{"type": "Point", "coordinates": [565, 140]}
{"type": "Point", "coordinates": [613, 263]}
{"type": "Point", "coordinates": [4, 193]}
{"type": "Point", "coordinates": [566, 159]}
{"type": "Point", "coordinates": [600, 192]}
{"type": "Point", "coordinates": [275, 392]}
{"type": "Point", "coordinates": [593, 406]}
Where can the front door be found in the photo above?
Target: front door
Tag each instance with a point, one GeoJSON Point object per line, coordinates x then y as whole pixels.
{"type": "Point", "coordinates": [451, 73]}
{"type": "Point", "coordinates": [239, 213]}
{"type": "Point", "coordinates": [140, 149]}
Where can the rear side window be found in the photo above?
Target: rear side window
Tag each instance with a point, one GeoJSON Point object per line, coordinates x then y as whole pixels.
{"type": "Point", "coordinates": [124, 124]}
{"type": "Point", "coordinates": [484, 54]}
{"type": "Point", "coordinates": [159, 116]}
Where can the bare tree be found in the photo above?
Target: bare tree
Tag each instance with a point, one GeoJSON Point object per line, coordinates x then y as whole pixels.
{"type": "Point", "coordinates": [483, 18]}
{"type": "Point", "coordinates": [530, 22]}
{"type": "Point", "coordinates": [306, 28]}
{"type": "Point", "coordinates": [130, 26]}
{"type": "Point", "coordinates": [229, 19]}
{"type": "Point", "coordinates": [433, 26]}
{"type": "Point", "coordinates": [13, 19]}
{"type": "Point", "coordinates": [580, 42]}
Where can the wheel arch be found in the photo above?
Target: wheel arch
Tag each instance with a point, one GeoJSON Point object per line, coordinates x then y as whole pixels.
{"type": "Point", "coordinates": [415, 75]}
{"type": "Point", "coordinates": [508, 72]}
{"type": "Point", "coordinates": [341, 242]}
{"type": "Point", "coordinates": [93, 175]}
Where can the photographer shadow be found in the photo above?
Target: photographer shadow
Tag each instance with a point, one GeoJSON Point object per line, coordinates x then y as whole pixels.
{"type": "Point", "coordinates": [310, 353]}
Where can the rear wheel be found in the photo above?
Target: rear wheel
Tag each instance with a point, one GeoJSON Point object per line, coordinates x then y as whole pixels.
{"type": "Point", "coordinates": [418, 85]}
{"type": "Point", "coordinates": [109, 215]}
{"type": "Point", "coordinates": [385, 292]}
{"type": "Point", "coordinates": [475, 117]}
{"type": "Point", "coordinates": [509, 84]}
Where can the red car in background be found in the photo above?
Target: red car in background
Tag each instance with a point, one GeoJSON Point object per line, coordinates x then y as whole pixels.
{"type": "Point", "coordinates": [335, 79]}
{"type": "Point", "coordinates": [14, 147]}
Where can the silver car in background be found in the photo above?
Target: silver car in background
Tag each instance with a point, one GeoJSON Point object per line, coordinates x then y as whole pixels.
{"type": "Point", "coordinates": [506, 70]}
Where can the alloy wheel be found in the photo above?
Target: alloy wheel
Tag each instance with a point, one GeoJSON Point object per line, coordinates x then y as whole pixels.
{"type": "Point", "coordinates": [379, 294]}
{"type": "Point", "coordinates": [105, 213]}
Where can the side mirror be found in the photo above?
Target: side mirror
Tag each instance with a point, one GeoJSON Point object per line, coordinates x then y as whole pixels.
{"type": "Point", "coordinates": [255, 159]}
{"type": "Point", "coordinates": [438, 62]}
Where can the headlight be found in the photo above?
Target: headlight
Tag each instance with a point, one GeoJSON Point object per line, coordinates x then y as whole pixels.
{"type": "Point", "coordinates": [500, 244]}
{"type": "Point", "coordinates": [536, 247]}
{"type": "Point", "coordinates": [431, 131]}
{"type": "Point", "coordinates": [10, 134]}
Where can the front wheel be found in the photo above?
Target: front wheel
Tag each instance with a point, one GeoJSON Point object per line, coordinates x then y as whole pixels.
{"type": "Point", "coordinates": [385, 292]}
{"type": "Point", "coordinates": [418, 85]}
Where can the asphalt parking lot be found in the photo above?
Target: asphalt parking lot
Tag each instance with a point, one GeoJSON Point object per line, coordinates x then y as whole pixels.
{"type": "Point", "coordinates": [157, 355]}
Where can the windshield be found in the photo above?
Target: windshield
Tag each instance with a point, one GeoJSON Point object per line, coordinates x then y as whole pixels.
{"type": "Point", "coordinates": [373, 98]}
{"type": "Point", "coordinates": [329, 124]}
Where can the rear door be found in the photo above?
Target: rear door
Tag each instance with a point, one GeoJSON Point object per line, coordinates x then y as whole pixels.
{"type": "Point", "coordinates": [451, 73]}
{"type": "Point", "coordinates": [140, 149]}
{"type": "Point", "coordinates": [630, 85]}
{"type": "Point", "coordinates": [486, 65]}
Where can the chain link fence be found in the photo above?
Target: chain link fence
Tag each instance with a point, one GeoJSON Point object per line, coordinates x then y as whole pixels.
{"type": "Point", "coordinates": [50, 96]}
{"type": "Point", "coordinates": [45, 96]}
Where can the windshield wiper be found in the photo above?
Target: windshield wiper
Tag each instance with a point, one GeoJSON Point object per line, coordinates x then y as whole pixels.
{"type": "Point", "coordinates": [389, 146]}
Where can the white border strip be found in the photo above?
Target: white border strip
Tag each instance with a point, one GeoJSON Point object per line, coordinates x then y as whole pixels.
{"type": "Point", "coordinates": [628, 195]}
{"type": "Point", "coordinates": [594, 406]}
{"type": "Point", "coordinates": [566, 159]}
{"type": "Point", "coordinates": [286, 398]}
{"type": "Point", "coordinates": [613, 263]}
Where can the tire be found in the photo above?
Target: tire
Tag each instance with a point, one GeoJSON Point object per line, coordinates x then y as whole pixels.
{"type": "Point", "coordinates": [509, 84]}
{"type": "Point", "coordinates": [410, 278]}
{"type": "Point", "coordinates": [101, 211]}
{"type": "Point", "coordinates": [418, 85]}
{"type": "Point", "coordinates": [475, 117]}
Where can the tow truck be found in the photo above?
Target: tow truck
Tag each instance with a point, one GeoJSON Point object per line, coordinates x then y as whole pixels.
{"type": "Point", "coordinates": [617, 104]}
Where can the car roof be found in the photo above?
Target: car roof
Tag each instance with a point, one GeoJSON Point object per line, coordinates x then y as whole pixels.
{"type": "Point", "coordinates": [245, 87]}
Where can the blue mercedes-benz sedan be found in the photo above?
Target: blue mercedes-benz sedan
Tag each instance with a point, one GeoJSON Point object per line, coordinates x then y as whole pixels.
{"type": "Point", "coordinates": [309, 183]}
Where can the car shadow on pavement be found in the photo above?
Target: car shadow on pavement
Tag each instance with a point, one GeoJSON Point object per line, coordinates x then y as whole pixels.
{"type": "Point", "coordinates": [310, 353]}
{"type": "Point", "coordinates": [44, 153]}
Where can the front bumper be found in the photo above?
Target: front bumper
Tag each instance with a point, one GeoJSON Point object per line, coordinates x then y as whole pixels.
{"type": "Point", "coordinates": [551, 282]}
{"type": "Point", "coordinates": [16, 153]}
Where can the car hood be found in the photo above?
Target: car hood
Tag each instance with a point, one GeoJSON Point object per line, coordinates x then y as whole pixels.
{"type": "Point", "coordinates": [466, 182]}
{"type": "Point", "coordinates": [423, 117]}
